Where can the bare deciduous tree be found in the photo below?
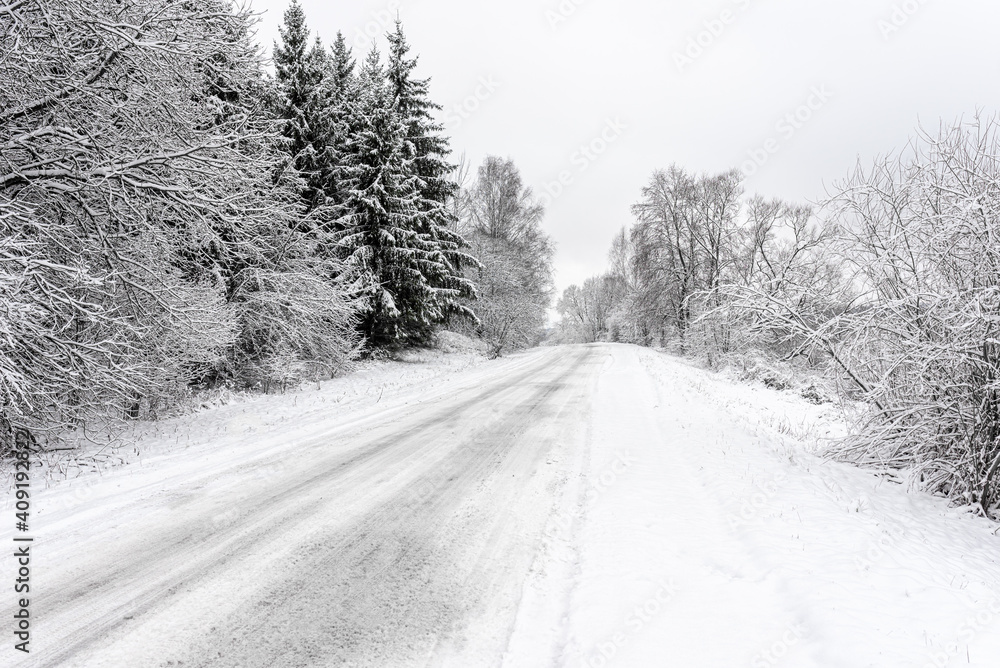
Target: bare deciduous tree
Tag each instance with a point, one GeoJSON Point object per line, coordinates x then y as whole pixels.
{"type": "Point", "coordinates": [683, 245]}
{"type": "Point", "coordinates": [138, 187]}
{"type": "Point", "coordinates": [587, 310]}
{"type": "Point", "coordinates": [502, 222]}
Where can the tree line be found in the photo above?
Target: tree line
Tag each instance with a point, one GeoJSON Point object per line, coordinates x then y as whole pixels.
{"type": "Point", "coordinates": [890, 288]}
{"type": "Point", "coordinates": [173, 216]}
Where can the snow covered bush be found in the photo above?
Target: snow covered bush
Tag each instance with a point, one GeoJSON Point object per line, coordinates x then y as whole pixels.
{"type": "Point", "coordinates": [294, 324]}
{"type": "Point", "coordinates": [920, 233]}
{"type": "Point", "coordinates": [109, 161]}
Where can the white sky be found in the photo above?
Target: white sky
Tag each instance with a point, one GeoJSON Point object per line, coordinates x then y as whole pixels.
{"type": "Point", "coordinates": [558, 84]}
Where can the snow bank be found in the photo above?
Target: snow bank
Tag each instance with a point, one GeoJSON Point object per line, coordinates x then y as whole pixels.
{"type": "Point", "coordinates": [226, 420]}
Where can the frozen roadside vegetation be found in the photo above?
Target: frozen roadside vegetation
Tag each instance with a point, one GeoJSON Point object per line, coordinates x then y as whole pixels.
{"type": "Point", "coordinates": [795, 409]}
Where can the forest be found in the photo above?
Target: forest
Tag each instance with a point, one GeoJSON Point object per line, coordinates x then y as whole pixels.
{"type": "Point", "coordinates": [176, 214]}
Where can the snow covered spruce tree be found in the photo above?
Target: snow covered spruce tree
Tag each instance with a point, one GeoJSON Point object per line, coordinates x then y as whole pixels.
{"type": "Point", "coordinates": [341, 84]}
{"type": "Point", "coordinates": [394, 235]}
{"type": "Point", "coordinates": [377, 190]}
{"type": "Point", "coordinates": [137, 188]}
{"type": "Point", "coordinates": [340, 73]}
{"type": "Point", "coordinates": [427, 151]}
{"type": "Point", "coordinates": [308, 106]}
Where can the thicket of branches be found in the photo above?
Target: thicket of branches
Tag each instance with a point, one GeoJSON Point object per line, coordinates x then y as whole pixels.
{"type": "Point", "coordinates": [920, 234]}
{"type": "Point", "coordinates": [137, 192]}
{"type": "Point", "coordinates": [892, 289]}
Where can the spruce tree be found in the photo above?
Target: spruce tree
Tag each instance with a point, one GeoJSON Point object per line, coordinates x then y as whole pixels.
{"type": "Point", "coordinates": [380, 241]}
{"type": "Point", "coordinates": [341, 88]}
{"type": "Point", "coordinates": [427, 151]}
{"type": "Point", "coordinates": [304, 104]}
{"type": "Point", "coordinates": [341, 73]}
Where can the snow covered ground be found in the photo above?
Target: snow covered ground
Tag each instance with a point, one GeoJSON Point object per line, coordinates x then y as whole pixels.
{"type": "Point", "coordinates": [711, 535]}
{"type": "Point", "coordinates": [580, 506]}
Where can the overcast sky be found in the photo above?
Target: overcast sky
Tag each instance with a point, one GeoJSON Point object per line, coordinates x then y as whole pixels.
{"type": "Point", "coordinates": [706, 85]}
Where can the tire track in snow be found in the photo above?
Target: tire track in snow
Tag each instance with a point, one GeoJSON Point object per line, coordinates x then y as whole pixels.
{"type": "Point", "coordinates": [140, 579]}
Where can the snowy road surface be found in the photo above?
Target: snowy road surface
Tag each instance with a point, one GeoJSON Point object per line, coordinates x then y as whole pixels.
{"type": "Point", "coordinates": [580, 506]}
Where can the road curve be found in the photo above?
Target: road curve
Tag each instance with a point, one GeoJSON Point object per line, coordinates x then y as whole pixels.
{"type": "Point", "coordinates": [400, 540]}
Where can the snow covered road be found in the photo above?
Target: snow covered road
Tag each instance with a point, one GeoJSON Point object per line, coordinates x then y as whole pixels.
{"type": "Point", "coordinates": [579, 506]}
{"type": "Point", "coordinates": [399, 540]}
